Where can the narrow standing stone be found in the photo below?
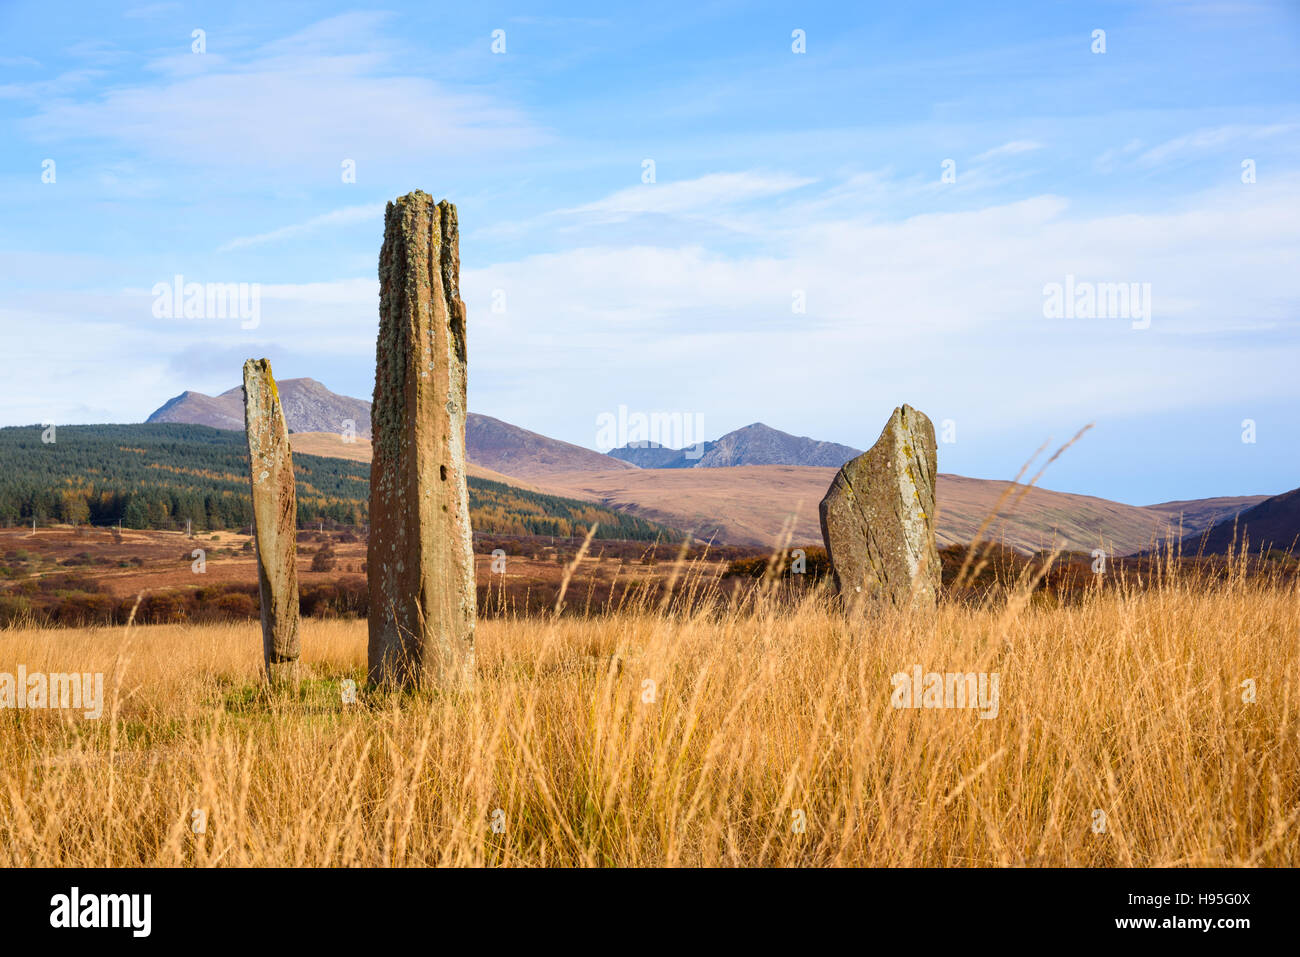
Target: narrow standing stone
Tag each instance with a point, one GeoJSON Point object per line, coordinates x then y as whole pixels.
{"type": "Point", "coordinates": [878, 517]}
{"type": "Point", "coordinates": [420, 555]}
{"type": "Point", "coordinates": [275, 520]}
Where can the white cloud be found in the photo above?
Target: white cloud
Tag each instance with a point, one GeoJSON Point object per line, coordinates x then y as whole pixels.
{"type": "Point", "coordinates": [948, 305]}
{"type": "Point", "coordinates": [305, 102]}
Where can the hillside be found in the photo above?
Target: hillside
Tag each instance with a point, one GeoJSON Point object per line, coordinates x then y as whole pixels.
{"type": "Point", "coordinates": [160, 475]}
{"type": "Point", "coordinates": [1204, 512]}
{"type": "Point", "coordinates": [749, 505]}
{"type": "Point", "coordinates": [1044, 519]}
{"type": "Point", "coordinates": [745, 505]}
{"type": "Point", "coordinates": [755, 444]}
{"type": "Point", "coordinates": [510, 450]}
{"type": "Point", "coordinates": [1274, 523]}
{"type": "Point", "coordinates": [331, 445]}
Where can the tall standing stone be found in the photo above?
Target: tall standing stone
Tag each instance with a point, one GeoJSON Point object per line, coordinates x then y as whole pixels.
{"type": "Point", "coordinates": [878, 517]}
{"type": "Point", "coordinates": [275, 520]}
{"type": "Point", "coordinates": [420, 558]}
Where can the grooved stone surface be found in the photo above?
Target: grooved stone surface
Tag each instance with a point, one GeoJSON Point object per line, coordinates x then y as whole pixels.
{"type": "Point", "coordinates": [420, 554]}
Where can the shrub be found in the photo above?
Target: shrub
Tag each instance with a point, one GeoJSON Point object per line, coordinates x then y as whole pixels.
{"type": "Point", "coordinates": [324, 559]}
{"type": "Point", "coordinates": [347, 597]}
{"type": "Point", "coordinates": [163, 608]}
{"type": "Point", "coordinates": [82, 608]}
{"type": "Point", "coordinates": [236, 606]}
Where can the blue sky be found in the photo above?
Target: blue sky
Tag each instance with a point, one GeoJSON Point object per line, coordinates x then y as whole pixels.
{"type": "Point", "coordinates": [778, 175]}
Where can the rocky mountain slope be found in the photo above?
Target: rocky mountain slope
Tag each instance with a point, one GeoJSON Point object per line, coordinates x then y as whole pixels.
{"type": "Point", "coordinates": [308, 407]}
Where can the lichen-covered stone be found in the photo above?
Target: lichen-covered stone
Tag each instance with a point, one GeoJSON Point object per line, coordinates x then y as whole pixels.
{"type": "Point", "coordinates": [420, 555]}
{"type": "Point", "coordinates": [878, 518]}
{"type": "Point", "coordinates": [275, 520]}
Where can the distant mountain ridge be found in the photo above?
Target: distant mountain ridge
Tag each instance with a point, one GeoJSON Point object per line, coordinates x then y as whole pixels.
{"type": "Point", "coordinates": [755, 444]}
{"type": "Point", "coordinates": [724, 492]}
{"type": "Point", "coordinates": [311, 407]}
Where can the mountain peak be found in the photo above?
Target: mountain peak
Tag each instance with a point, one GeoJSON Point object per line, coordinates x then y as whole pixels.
{"type": "Point", "coordinates": [759, 444]}
{"type": "Point", "coordinates": [308, 407]}
{"type": "Point", "coordinates": [754, 444]}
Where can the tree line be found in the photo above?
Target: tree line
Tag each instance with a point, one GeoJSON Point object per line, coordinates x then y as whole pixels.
{"type": "Point", "coordinates": [165, 475]}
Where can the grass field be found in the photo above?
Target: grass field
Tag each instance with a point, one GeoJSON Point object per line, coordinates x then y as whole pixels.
{"type": "Point", "coordinates": [742, 734]}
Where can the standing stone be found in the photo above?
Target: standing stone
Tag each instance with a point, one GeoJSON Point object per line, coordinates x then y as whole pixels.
{"type": "Point", "coordinates": [878, 518]}
{"type": "Point", "coordinates": [275, 520]}
{"type": "Point", "coordinates": [420, 555]}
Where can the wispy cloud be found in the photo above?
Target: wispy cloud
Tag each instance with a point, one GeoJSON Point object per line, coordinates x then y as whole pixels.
{"type": "Point", "coordinates": [716, 200]}
{"type": "Point", "coordinates": [339, 217]}
{"type": "Point", "coordinates": [695, 196]}
{"type": "Point", "coordinates": [1009, 149]}
{"type": "Point", "coordinates": [1206, 139]}
{"type": "Point", "coordinates": [1106, 161]}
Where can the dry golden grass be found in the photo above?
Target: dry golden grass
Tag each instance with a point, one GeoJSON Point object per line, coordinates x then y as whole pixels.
{"type": "Point", "coordinates": [1130, 703]}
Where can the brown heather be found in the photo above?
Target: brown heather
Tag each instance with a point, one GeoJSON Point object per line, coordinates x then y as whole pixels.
{"type": "Point", "coordinates": [1128, 701]}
